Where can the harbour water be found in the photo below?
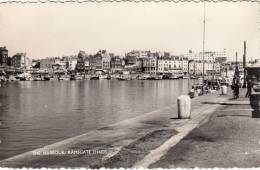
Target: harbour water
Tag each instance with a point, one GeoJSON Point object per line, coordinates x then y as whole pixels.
{"type": "Point", "coordinates": [37, 113]}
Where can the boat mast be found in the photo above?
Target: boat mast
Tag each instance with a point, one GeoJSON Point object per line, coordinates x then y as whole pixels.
{"type": "Point", "coordinates": [203, 50]}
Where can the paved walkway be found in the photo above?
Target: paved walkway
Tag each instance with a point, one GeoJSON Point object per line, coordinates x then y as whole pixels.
{"type": "Point", "coordinates": [231, 138]}
{"type": "Point", "coordinates": [123, 144]}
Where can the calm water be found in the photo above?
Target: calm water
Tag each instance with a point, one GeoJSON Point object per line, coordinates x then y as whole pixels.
{"type": "Point", "coordinates": [34, 114]}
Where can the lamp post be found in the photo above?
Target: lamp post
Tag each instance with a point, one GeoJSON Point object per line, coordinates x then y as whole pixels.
{"type": "Point", "coordinates": [213, 68]}
{"type": "Point", "coordinates": [244, 65]}
{"type": "Point", "coordinates": [236, 68]}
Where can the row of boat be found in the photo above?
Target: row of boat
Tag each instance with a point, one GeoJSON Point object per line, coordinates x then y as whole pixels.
{"type": "Point", "coordinates": [122, 77]}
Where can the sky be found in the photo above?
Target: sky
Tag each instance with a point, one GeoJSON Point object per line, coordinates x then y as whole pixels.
{"type": "Point", "coordinates": [57, 29]}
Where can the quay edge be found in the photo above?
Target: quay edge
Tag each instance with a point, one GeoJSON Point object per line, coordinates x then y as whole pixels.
{"type": "Point", "coordinates": [118, 137]}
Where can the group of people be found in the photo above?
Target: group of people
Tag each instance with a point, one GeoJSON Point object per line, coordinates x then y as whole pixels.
{"type": "Point", "coordinates": [236, 85]}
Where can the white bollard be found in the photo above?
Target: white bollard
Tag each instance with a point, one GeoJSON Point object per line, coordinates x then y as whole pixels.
{"type": "Point", "coordinates": [223, 90]}
{"type": "Point", "coordinates": [184, 106]}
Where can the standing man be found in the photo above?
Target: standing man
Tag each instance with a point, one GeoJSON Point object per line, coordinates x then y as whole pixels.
{"type": "Point", "coordinates": [249, 87]}
{"type": "Point", "coordinates": [236, 83]}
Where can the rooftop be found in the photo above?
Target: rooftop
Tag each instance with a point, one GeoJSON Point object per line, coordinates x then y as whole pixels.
{"type": "Point", "coordinates": [3, 48]}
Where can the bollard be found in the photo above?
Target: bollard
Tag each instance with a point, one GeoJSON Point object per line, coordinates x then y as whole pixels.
{"type": "Point", "coordinates": [223, 90]}
{"type": "Point", "coordinates": [255, 104]}
{"type": "Point", "coordinates": [184, 107]}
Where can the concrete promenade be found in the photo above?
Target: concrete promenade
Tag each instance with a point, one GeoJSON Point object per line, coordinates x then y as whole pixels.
{"type": "Point", "coordinates": [149, 140]}
{"type": "Point", "coordinates": [230, 138]}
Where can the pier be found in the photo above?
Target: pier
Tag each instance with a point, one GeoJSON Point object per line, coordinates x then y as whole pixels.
{"type": "Point", "coordinates": [136, 142]}
{"type": "Point", "coordinates": [230, 138]}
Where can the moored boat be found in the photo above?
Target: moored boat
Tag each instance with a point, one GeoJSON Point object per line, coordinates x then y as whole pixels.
{"type": "Point", "coordinates": [12, 78]}
{"type": "Point", "coordinates": [105, 76]}
{"type": "Point", "coordinates": [180, 76]}
{"type": "Point", "coordinates": [193, 77]}
{"type": "Point", "coordinates": [124, 77]}
{"type": "Point", "coordinates": [94, 77]}
{"type": "Point", "coordinates": [63, 78]}
{"type": "Point", "coordinates": [25, 77]}
{"type": "Point", "coordinates": [46, 77]}
{"type": "Point", "coordinates": [166, 76]}
{"type": "Point", "coordinates": [174, 76]}
{"type": "Point", "coordinates": [155, 77]}
{"type": "Point", "coordinates": [79, 77]}
{"type": "Point", "coordinates": [37, 79]}
{"type": "Point", "coordinates": [143, 76]}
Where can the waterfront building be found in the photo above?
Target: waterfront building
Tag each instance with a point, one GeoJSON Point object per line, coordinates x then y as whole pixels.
{"type": "Point", "coordinates": [210, 68]}
{"type": "Point", "coordinates": [95, 62]}
{"type": "Point", "coordinates": [131, 60]}
{"type": "Point", "coordinates": [46, 64]}
{"type": "Point", "coordinates": [133, 63]}
{"type": "Point", "coordinates": [117, 64]}
{"type": "Point", "coordinates": [86, 64]}
{"type": "Point", "coordinates": [80, 65]}
{"type": "Point", "coordinates": [173, 64]}
{"type": "Point", "coordinates": [167, 65]}
{"type": "Point", "coordinates": [28, 63]}
{"type": "Point", "coordinates": [233, 65]}
{"type": "Point", "coordinates": [220, 56]}
{"type": "Point", "coordinates": [210, 56]}
{"type": "Point", "coordinates": [106, 60]}
{"type": "Point", "coordinates": [230, 67]}
{"type": "Point", "coordinates": [72, 63]}
{"type": "Point", "coordinates": [36, 63]}
{"type": "Point", "coordinates": [150, 64]}
{"type": "Point", "coordinates": [185, 65]}
{"type": "Point", "coordinates": [138, 54]}
{"type": "Point", "coordinates": [21, 61]}
{"type": "Point", "coordinates": [80, 61]}
{"type": "Point", "coordinates": [59, 64]}
{"type": "Point", "coordinates": [221, 59]}
{"type": "Point", "coordinates": [141, 61]}
{"type": "Point", "coordinates": [10, 62]}
{"type": "Point", "coordinates": [3, 56]}
{"type": "Point", "coordinates": [190, 55]}
{"type": "Point", "coordinates": [137, 67]}
{"type": "Point", "coordinates": [166, 54]}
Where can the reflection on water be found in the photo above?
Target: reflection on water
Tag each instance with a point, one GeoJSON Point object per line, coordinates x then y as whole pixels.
{"type": "Point", "coordinates": [34, 114]}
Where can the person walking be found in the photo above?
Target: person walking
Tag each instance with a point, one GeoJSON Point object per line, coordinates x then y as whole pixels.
{"type": "Point", "coordinates": [249, 87]}
{"type": "Point", "coordinates": [236, 83]}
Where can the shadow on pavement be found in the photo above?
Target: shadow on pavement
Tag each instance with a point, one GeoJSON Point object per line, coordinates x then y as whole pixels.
{"type": "Point", "coordinates": [221, 103]}
{"type": "Point", "coordinates": [225, 115]}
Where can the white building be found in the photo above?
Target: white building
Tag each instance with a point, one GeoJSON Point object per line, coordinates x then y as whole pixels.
{"type": "Point", "coordinates": [139, 54]}
{"type": "Point", "coordinates": [59, 64]}
{"type": "Point", "coordinates": [106, 60]}
{"type": "Point", "coordinates": [72, 64]}
{"type": "Point", "coordinates": [150, 64]}
{"type": "Point", "coordinates": [185, 65]}
{"type": "Point", "coordinates": [86, 63]}
{"type": "Point", "coordinates": [208, 56]}
{"type": "Point", "coordinates": [196, 67]}
{"type": "Point", "coordinates": [173, 64]}
{"type": "Point", "coordinates": [27, 63]}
